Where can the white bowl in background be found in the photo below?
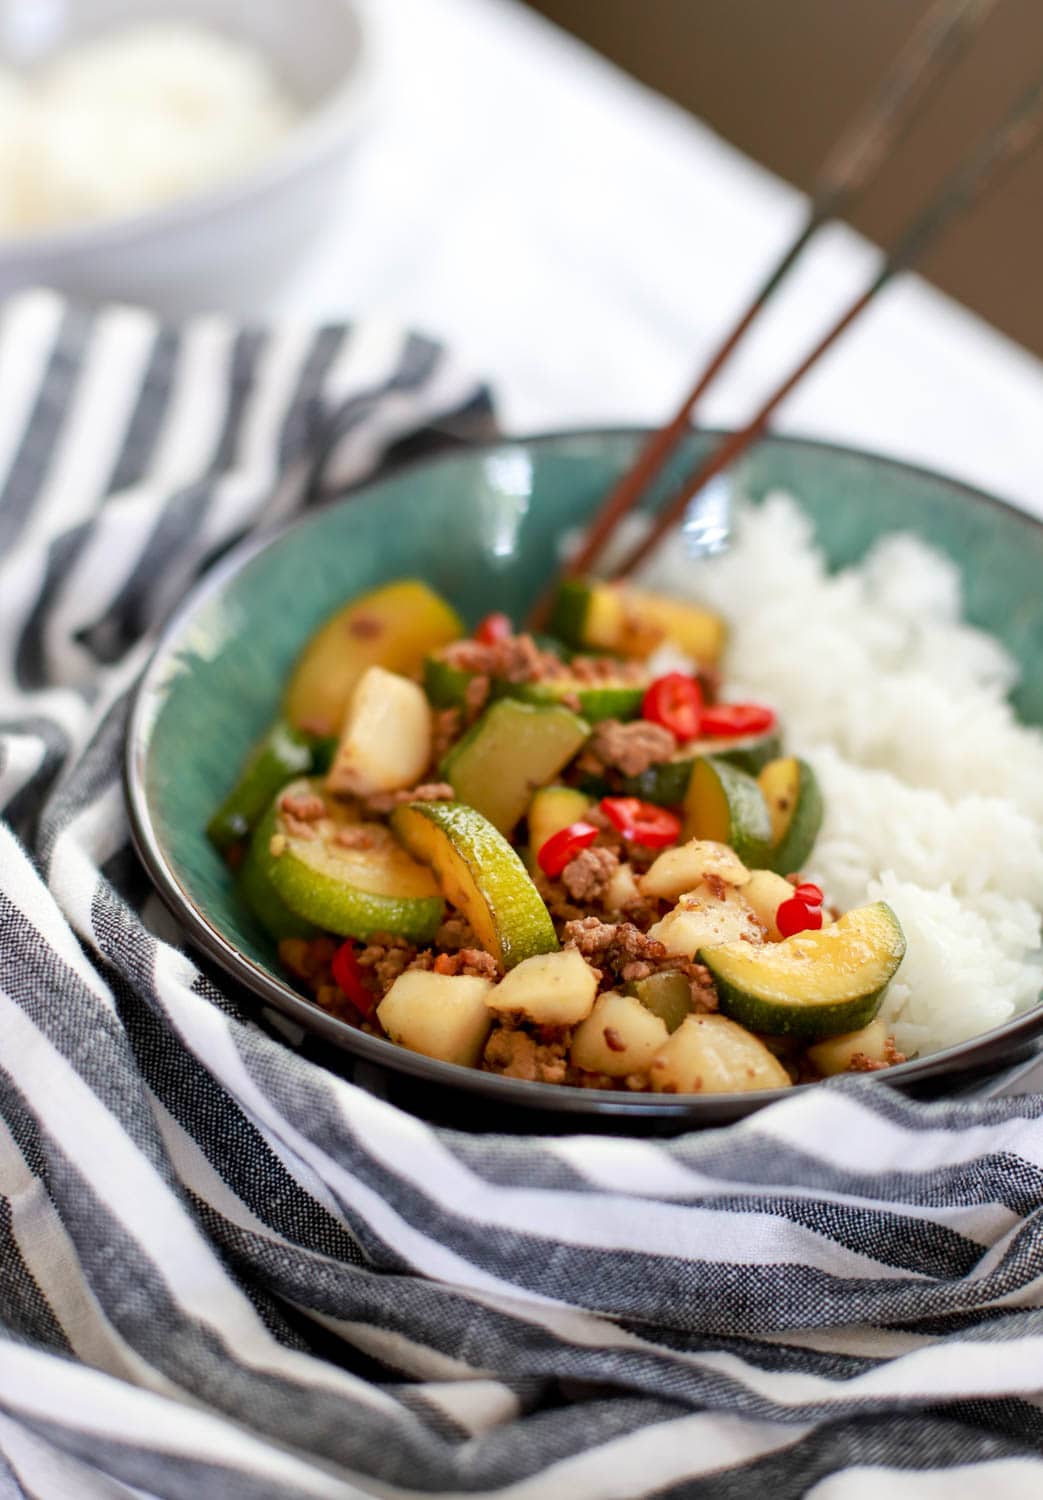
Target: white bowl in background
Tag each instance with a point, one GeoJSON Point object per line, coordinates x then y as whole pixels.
{"type": "Point", "coordinates": [227, 247]}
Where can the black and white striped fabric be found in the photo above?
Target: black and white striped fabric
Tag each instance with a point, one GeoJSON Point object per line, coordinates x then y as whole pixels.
{"type": "Point", "coordinates": [226, 1272]}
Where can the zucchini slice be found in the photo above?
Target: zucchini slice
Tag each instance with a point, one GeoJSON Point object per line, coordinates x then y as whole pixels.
{"type": "Point", "coordinates": [630, 622]}
{"type": "Point", "coordinates": [603, 700]}
{"type": "Point", "coordinates": [513, 748]}
{"type": "Point", "coordinates": [814, 984]}
{"type": "Point", "coordinates": [277, 919]}
{"type": "Point", "coordinates": [791, 790]}
{"type": "Point", "coordinates": [446, 686]}
{"type": "Point", "coordinates": [667, 995]}
{"type": "Point", "coordinates": [283, 754]}
{"type": "Point", "coordinates": [393, 627]}
{"type": "Point", "coordinates": [667, 782]}
{"type": "Point", "coordinates": [553, 808]}
{"type": "Point", "coordinates": [355, 889]}
{"type": "Point", "coordinates": [725, 805]}
{"type": "Point", "coordinates": [481, 876]}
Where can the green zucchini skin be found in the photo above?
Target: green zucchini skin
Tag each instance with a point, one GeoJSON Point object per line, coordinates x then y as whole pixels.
{"type": "Point", "coordinates": [446, 687]}
{"type": "Point", "coordinates": [761, 1006]}
{"type": "Point", "coordinates": [326, 887]}
{"type": "Point", "coordinates": [790, 854]}
{"type": "Point", "coordinates": [513, 748]}
{"type": "Point", "coordinates": [552, 644]}
{"type": "Point", "coordinates": [748, 829]}
{"type": "Point", "coordinates": [667, 995]}
{"type": "Point", "coordinates": [282, 754]}
{"type": "Point", "coordinates": [278, 920]}
{"type": "Point", "coordinates": [569, 615]}
{"type": "Point", "coordinates": [666, 783]}
{"type": "Point", "coordinates": [754, 756]}
{"type": "Point", "coordinates": [607, 700]}
{"type": "Point", "coordinates": [813, 1024]}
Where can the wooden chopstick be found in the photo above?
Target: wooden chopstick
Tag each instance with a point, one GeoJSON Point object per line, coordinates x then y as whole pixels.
{"type": "Point", "coordinates": [1007, 144]}
{"type": "Point", "coordinates": [872, 136]}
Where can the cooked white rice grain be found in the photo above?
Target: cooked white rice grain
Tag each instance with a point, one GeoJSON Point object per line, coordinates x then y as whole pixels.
{"type": "Point", "coordinates": [131, 119]}
{"type": "Point", "coordinates": [961, 973]}
{"type": "Point", "coordinates": [933, 790]}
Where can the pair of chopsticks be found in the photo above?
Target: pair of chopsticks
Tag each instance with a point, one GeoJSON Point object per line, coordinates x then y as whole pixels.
{"type": "Point", "coordinates": [868, 143]}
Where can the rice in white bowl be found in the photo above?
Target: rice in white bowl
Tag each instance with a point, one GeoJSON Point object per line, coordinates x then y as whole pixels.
{"type": "Point", "coordinates": [933, 790]}
{"type": "Point", "coordinates": [132, 119]}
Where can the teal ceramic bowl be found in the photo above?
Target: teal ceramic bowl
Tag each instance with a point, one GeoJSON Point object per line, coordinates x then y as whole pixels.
{"type": "Point", "coordinates": [483, 526]}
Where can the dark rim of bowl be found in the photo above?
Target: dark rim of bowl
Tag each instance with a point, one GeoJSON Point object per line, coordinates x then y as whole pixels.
{"type": "Point", "coordinates": [995, 1044]}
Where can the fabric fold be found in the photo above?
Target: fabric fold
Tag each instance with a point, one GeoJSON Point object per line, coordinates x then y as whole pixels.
{"type": "Point", "coordinates": [226, 1270]}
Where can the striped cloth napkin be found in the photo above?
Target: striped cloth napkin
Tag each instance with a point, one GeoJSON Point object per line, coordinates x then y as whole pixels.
{"type": "Point", "coordinates": [227, 1272]}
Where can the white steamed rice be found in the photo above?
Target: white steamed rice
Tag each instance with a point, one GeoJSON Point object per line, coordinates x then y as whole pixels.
{"type": "Point", "coordinates": [131, 119]}
{"type": "Point", "coordinates": [933, 790]}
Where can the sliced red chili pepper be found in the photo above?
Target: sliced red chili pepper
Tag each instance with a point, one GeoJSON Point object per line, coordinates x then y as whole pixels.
{"type": "Point", "coordinates": [493, 628]}
{"type": "Point", "coordinates": [348, 974]}
{"type": "Point", "coordinates": [674, 700]}
{"type": "Point", "coordinates": [810, 894]}
{"type": "Point", "coordinates": [795, 915]}
{"type": "Point", "coordinates": [737, 718]}
{"type": "Point", "coordinates": [562, 847]}
{"type": "Point", "coordinates": [642, 822]}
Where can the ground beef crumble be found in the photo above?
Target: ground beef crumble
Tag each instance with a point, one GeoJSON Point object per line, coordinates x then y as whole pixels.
{"type": "Point", "coordinates": [381, 803]}
{"type": "Point", "coordinates": [383, 959]}
{"type": "Point", "coordinates": [538, 1058]}
{"type": "Point", "coordinates": [516, 659]}
{"type": "Point", "coordinates": [473, 962]}
{"type": "Point", "coordinates": [307, 958]}
{"type": "Point", "coordinates": [861, 1063]}
{"type": "Point", "coordinates": [298, 828]}
{"type": "Point", "coordinates": [587, 877]}
{"type": "Point", "coordinates": [455, 933]}
{"type": "Point", "coordinates": [556, 899]}
{"type": "Point", "coordinates": [309, 961]}
{"type": "Point", "coordinates": [446, 727]}
{"type": "Point", "coordinates": [306, 807]}
{"type": "Point", "coordinates": [476, 695]}
{"type": "Point", "coordinates": [624, 953]}
{"type": "Point", "coordinates": [630, 748]}
{"type": "Point", "coordinates": [355, 836]}
{"type": "Point", "coordinates": [592, 670]}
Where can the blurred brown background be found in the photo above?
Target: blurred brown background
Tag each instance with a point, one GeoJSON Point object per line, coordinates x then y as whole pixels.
{"type": "Point", "coordinates": [780, 78]}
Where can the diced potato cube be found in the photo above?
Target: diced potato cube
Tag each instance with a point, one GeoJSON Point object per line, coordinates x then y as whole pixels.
{"type": "Point", "coordinates": [622, 890]}
{"type": "Point", "coordinates": [836, 1053]}
{"type": "Point", "coordinates": [440, 1015]}
{"type": "Point", "coordinates": [712, 1055]}
{"type": "Point", "coordinates": [766, 892]}
{"type": "Point", "coordinates": [703, 921]}
{"type": "Point", "coordinates": [386, 741]}
{"type": "Point", "coordinates": [550, 989]}
{"type": "Point", "coordinates": [618, 1037]}
{"type": "Point", "coordinates": [689, 865]}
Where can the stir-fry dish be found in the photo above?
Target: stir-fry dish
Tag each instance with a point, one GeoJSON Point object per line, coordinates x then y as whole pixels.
{"type": "Point", "coordinates": [557, 858]}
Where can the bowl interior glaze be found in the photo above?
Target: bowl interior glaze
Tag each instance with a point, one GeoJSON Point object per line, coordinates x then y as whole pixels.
{"type": "Point", "coordinates": [483, 527]}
